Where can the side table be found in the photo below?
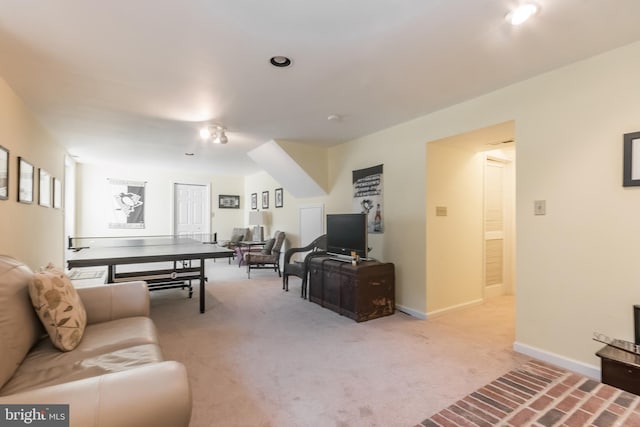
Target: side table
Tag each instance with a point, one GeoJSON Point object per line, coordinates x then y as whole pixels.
{"type": "Point", "coordinates": [620, 368]}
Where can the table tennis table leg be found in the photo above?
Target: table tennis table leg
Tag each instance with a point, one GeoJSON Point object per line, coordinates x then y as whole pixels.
{"type": "Point", "coordinates": [202, 280]}
{"type": "Point", "coordinates": [111, 273]}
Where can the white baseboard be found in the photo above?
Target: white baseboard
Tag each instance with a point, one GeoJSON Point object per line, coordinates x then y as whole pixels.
{"type": "Point", "coordinates": [494, 291]}
{"type": "Point", "coordinates": [454, 307]}
{"type": "Point", "coordinates": [411, 312]}
{"type": "Point", "coordinates": [558, 360]}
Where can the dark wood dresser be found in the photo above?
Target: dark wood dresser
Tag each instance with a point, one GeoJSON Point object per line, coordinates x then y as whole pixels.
{"type": "Point", "coordinates": [361, 292]}
{"type": "Point", "coordinates": [620, 368]}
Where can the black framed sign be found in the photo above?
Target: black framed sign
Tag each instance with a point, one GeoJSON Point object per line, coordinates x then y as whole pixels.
{"type": "Point", "coordinates": [631, 175]}
{"type": "Point", "coordinates": [228, 202]}
{"type": "Point", "coordinates": [254, 200]}
{"type": "Point", "coordinates": [265, 200]}
{"type": "Point", "coordinates": [25, 181]}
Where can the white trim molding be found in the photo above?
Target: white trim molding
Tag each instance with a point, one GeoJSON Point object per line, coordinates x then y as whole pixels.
{"type": "Point", "coordinates": [454, 308]}
{"type": "Point", "coordinates": [558, 360]}
{"type": "Point", "coordinates": [411, 312]}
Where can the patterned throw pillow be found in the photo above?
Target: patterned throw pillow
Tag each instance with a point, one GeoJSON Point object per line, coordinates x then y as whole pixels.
{"type": "Point", "coordinates": [59, 307]}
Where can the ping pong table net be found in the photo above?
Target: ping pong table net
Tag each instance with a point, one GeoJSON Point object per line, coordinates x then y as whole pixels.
{"type": "Point", "coordinates": [78, 243]}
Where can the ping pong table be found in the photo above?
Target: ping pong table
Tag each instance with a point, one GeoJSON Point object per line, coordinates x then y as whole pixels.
{"type": "Point", "coordinates": [178, 252]}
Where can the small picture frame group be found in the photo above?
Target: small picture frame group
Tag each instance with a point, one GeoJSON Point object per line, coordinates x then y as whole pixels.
{"type": "Point", "coordinates": [265, 200]}
{"type": "Point", "coordinates": [278, 196]}
{"type": "Point", "coordinates": [49, 188]}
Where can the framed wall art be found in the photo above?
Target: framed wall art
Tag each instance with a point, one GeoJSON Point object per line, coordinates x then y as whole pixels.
{"type": "Point", "coordinates": [631, 174]}
{"type": "Point", "coordinates": [277, 195]}
{"type": "Point", "coordinates": [265, 200]}
{"type": "Point", "coordinates": [228, 202]}
{"type": "Point", "coordinates": [4, 173]}
{"type": "Point", "coordinates": [44, 188]}
{"type": "Point", "coordinates": [25, 181]}
{"type": "Point", "coordinates": [254, 200]}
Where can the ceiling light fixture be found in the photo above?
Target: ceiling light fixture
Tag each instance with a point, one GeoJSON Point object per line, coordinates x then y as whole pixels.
{"type": "Point", "coordinates": [522, 13]}
{"type": "Point", "coordinates": [214, 133]}
{"type": "Point", "coordinates": [280, 61]}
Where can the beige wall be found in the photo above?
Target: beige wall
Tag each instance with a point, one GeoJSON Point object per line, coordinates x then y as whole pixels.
{"type": "Point", "coordinates": [32, 233]}
{"type": "Point", "coordinates": [94, 204]}
{"type": "Point", "coordinates": [454, 244]}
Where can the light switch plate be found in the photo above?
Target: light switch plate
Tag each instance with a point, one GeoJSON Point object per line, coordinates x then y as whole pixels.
{"type": "Point", "coordinates": [539, 207]}
{"type": "Point", "coordinates": [441, 211]}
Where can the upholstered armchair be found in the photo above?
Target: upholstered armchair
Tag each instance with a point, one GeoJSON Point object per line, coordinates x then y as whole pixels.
{"type": "Point", "coordinates": [301, 268]}
{"type": "Point", "coordinates": [268, 257]}
{"type": "Point", "coordinates": [238, 234]}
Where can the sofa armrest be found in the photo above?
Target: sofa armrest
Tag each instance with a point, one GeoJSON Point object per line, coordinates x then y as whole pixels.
{"type": "Point", "coordinates": [115, 301]}
{"type": "Point", "coordinates": [155, 395]}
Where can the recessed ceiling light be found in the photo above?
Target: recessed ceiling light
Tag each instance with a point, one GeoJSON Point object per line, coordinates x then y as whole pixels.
{"type": "Point", "coordinates": [522, 13]}
{"type": "Point", "coordinates": [280, 61]}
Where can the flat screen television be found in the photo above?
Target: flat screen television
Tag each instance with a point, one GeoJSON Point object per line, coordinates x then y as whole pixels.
{"type": "Point", "coordinates": [347, 233]}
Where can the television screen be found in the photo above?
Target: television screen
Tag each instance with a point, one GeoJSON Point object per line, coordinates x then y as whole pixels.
{"type": "Point", "coordinates": [347, 233]}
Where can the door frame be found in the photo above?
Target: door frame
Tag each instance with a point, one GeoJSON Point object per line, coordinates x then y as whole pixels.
{"type": "Point", "coordinates": [207, 204]}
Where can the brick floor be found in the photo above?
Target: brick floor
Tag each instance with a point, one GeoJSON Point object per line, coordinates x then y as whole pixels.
{"type": "Point", "coordinates": [541, 395]}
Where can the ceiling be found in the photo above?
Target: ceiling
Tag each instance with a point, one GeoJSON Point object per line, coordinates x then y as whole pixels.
{"type": "Point", "coordinates": [131, 82]}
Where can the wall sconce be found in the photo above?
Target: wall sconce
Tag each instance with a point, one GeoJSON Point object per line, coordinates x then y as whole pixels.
{"type": "Point", "coordinates": [215, 133]}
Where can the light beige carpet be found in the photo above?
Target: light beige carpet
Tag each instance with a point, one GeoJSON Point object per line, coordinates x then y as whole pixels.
{"type": "Point", "coordinates": [261, 357]}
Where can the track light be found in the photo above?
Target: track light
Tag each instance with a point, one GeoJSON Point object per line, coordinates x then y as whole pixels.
{"type": "Point", "coordinates": [215, 133]}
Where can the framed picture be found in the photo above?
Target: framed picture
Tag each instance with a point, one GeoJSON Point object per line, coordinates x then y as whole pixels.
{"type": "Point", "coordinates": [265, 200]}
{"type": "Point", "coordinates": [631, 175]}
{"type": "Point", "coordinates": [277, 194]}
{"type": "Point", "coordinates": [44, 188]}
{"type": "Point", "coordinates": [254, 200]}
{"type": "Point", "coordinates": [57, 193]}
{"type": "Point", "coordinates": [25, 181]}
{"type": "Point", "coordinates": [228, 202]}
{"type": "Point", "coordinates": [4, 173]}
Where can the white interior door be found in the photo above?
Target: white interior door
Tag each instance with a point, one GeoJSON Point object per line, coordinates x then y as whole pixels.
{"type": "Point", "coordinates": [311, 224]}
{"type": "Point", "coordinates": [192, 210]}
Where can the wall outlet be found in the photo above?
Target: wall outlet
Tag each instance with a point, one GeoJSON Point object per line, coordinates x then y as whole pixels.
{"type": "Point", "coordinates": [539, 207]}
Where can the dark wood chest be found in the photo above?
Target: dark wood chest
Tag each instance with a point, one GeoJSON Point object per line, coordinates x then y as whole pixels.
{"type": "Point", "coordinates": [362, 292]}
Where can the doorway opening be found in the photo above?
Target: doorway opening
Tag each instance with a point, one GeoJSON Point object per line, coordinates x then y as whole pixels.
{"type": "Point", "coordinates": [470, 218]}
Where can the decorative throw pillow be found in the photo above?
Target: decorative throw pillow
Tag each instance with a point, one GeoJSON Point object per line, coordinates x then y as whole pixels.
{"type": "Point", "coordinates": [59, 307]}
{"type": "Point", "coordinates": [268, 247]}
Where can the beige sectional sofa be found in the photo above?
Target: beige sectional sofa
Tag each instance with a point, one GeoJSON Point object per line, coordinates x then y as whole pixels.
{"type": "Point", "coordinates": [116, 376]}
